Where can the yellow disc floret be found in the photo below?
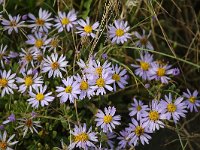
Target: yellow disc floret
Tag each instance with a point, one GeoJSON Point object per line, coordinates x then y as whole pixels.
{"type": "Point", "coordinates": [119, 32]}
{"type": "Point", "coordinates": [116, 77]}
{"type": "Point", "coordinates": [82, 137]}
{"type": "Point", "coordinates": [88, 29]}
{"type": "Point", "coordinates": [153, 115]}
{"type": "Point", "coordinates": [65, 21]}
{"type": "Point", "coordinates": [3, 145]}
{"type": "Point", "coordinates": [3, 82]}
{"type": "Point", "coordinates": [84, 85]}
{"type": "Point", "coordinates": [161, 72]}
{"type": "Point", "coordinates": [28, 81]}
{"type": "Point", "coordinates": [192, 99]}
{"type": "Point", "coordinates": [40, 96]}
{"type": "Point", "coordinates": [100, 82]}
{"type": "Point", "coordinates": [139, 130]}
{"type": "Point", "coordinates": [107, 119]}
{"type": "Point", "coordinates": [171, 107]}
{"type": "Point", "coordinates": [39, 43]}
{"type": "Point", "coordinates": [144, 65]}
{"type": "Point", "coordinates": [40, 22]}
{"type": "Point", "coordinates": [55, 65]}
{"type": "Point", "coordinates": [68, 89]}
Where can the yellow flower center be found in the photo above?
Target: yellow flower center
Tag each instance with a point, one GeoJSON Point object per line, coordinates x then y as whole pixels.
{"type": "Point", "coordinates": [29, 123]}
{"type": "Point", "coordinates": [139, 108]}
{"type": "Point", "coordinates": [39, 43]}
{"type": "Point", "coordinates": [161, 72]}
{"type": "Point", "coordinates": [55, 65]}
{"type": "Point", "coordinates": [40, 22]}
{"type": "Point", "coordinates": [171, 107]}
{"type": "Point", "coordinates": [28, 81]}
{"type": "Point", "coordinates": [54, 43]}
{"type": "Point", "coordinates": [68, 89]}
{"type": "Point", "coordinates": [119, 32]}
{"type": "Point", "coordinates": [153, 115]}
{"type": "Point", "coordinates": [144, 40]}
{"type": "Point", "coordinates": [3, 145]}
{"type": "Point", "coordinates": [144, 65]}
{"type": "Point", "coordinates": [100, 82]}
{"type": "Point", "coordinates": [88, 29]}
{"type": "Point", "coordinates": [29, 57]}
{"type": "Point", "coordinates": [116, 77]}
{"type": "Point", "coordinates": [3, 82]}
{"type": "Point", "coordinates": [107, 119]}
{"type": "Point", "coordinates": [65, 21]}
{"type": "Point", "coordinates": [84, 85]}
{"type": "Point", "coordinates": [39, 58]}
{"type": "Point", "coordinates": [99, 70]}
{"type": "Point", "coordinates": [192, 99]}
{"type": "Point", "coordinates": [40, 96]}
{"type": "Point", "coordinates": [82, 137]}
{"type": "Point", "coordinates": [139, 130]}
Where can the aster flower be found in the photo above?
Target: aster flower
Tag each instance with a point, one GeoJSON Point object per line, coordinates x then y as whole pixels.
{"type": "Point", "coordinates": [86, 29]}
{"type": "Point", "coordinates": [124, 140]}
{"type": "Point", "coordinates": [145, 65]}
{"type": "Point", "coordinates": [119, 77]}
{"type": "Point", "coordinates": [6, 144]}
{"type": "Point", "coordinates": [70, 91]}
{"type": "Point", "coordinates": [110, 139]}
{"type": "Point", "coordinates": [173, 109]}
{"type": "Point", "coordinates": [102, 83]}
{"type": "Point", "coordinates": [27, 57]}
{"type": "Point", "coordinates": [87, 68]}
{"type": "Point", "coordinates": [83, 138]}
{"type": "Point", "coordinates": [28, 124]}
{"type": "Point", "coordinates": [138, 109]}
{"type": "Point", "coordinates": [7, 82]}
{"type": "Point", "coordinates": [143, 40]}
{"type": "Point", "coordinates": [160, 72]}
{"type": "Point", "coordinates": [38, 40]}
{"type": "Point", "coordinates": [54, 44]}
{"type": "Point", "coordinates": [12, 24]}
{"type": "Point", "coordinates": [2, 54]}
{"type": "Point", "coordinates": [38, 97]}
{"type": "Point", "coordinates": [11, 118]}
{"type": "Point", "coordinates": [192, 101]}
{"type": "Point", "coordinates": [118, 32]}
{"type": "Point", "coordinates": [153, 119]}
{"type": "Point", "coordinates": [65, 21]}
{"type": "Point", "coordinates": [139, 132]}
{"type": "Point", "coordinates": [40, 24]}
{"type": "Point", "coordinates": [29, 81]}
{"type": "Point", "coordinates": [107, 120]}
{"type": "Point", "coordinates": [85, 87]}
{"type": "Point", "coordinates": [54, 64]}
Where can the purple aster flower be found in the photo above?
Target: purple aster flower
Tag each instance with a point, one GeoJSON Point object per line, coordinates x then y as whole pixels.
{"type": "Point", "coordinates": [111, 139]}
{"type": "Point", "coordinates": [118, 32]}
{"type": "Point", "coordinates": [104, 56]}
{"type": "Point", "coordinates": [138, 109]}
{"type": "Point", "coordinates": [143, 41]}
{"type": "Point", "coordinates": [83, 138]}
{"type": "Point", "coordinates": [123, 138]}
{"type": "Point", "coordinates": [139, 132]}
{"type": "Point", "coordinates": [192, 101]}
{"type": "Point", "coordinates": [11, 118]}
{"type": "Point", "coordinates": [176, 71]}
{"type": "Point", "coordinates": [119, 77]}
{"type": "Point", "coordinates": [153, 119]}
{"type": "Point", "coordinates": [107, 120]}
{"type": "Point", "coordinates": [173, 109]}
{"type": "Point", "coordinates": [145, 65]}
{"type": "Point", "coordinates": [2, 127]}
{"type": "Point", "coordinates": [160, 72]}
